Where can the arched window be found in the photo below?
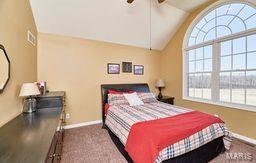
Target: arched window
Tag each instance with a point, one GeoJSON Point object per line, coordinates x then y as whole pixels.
{"type": "Point", "coordinates": [220, 56]}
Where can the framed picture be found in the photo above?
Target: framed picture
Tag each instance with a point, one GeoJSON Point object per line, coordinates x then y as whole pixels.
{"type": "Point", "coordinates": [42, 87]}
{"type": "Point", "coordinates": [127, 67]}
{"type": "Point", "coordinates": [138, 70]}
{"type": "Point", "coordinates": [113, 68]}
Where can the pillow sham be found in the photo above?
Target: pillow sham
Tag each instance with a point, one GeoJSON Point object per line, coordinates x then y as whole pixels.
{"type": "Point", "coordinates": [147, 97]}
{"type": "Point", "coordinates": [115, 92]}
{"type": "Point", "coordinates": [117, 99]}
{"type": "Point", "coordinates": [133, 99]}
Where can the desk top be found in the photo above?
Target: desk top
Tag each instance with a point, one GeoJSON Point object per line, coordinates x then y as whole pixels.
{"type": "Point", "coordinates": [28, 137]}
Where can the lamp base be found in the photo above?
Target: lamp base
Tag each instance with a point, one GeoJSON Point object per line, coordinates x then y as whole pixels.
{"type": "Point", "coordinates": [160, 96]}
{"type": "Point", "coordinates": [29, 105]}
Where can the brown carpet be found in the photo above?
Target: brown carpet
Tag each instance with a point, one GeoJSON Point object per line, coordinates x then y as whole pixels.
{"type": "Point", "coordinates": [91, 144]}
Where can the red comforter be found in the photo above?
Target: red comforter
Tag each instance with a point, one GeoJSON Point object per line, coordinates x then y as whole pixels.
{"type": "Point", "coordinates": [147, 139]}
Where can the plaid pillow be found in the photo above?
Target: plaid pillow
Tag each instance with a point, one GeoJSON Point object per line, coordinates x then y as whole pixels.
{"type": "Point", "coordinates": [147, 97]}
{"type": "Point", "coordinates": [117, 99]}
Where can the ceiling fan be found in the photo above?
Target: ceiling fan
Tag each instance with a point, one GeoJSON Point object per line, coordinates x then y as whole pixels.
{"type": "Point", "coordinates": [159, 1]}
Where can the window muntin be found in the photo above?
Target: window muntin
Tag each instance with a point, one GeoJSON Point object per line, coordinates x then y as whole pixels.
{"type": "Point", "coordinates": [250, 87]}
{"type": "Point", "coordinates": [221, 56]}
{"type": "Point", "coordinates": [222, 21]}
{"type": "Point", "coordinates": [200, 69]}
{"type": "Point", "coordinates": [237, 70]}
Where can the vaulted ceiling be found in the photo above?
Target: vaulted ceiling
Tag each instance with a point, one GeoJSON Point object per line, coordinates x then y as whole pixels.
{"type": "Point", "coordinates": [113, 20]}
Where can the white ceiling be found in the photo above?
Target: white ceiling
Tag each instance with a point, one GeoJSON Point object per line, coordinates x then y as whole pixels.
{"type": "Point", "coordinates": [186, 5]}
{"type": "Point", "coordinates": [112, 20]}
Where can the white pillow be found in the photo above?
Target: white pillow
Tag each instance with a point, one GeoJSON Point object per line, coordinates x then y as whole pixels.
{"type": "Point", "coordinates": [133, 99]}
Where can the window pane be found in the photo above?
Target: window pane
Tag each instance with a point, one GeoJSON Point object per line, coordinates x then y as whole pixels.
{"type": "Point", "coordinates": [246, 12]}
{"type": "Point", "coordinates": [211, 35]}
{"type": "Point", "coordinates": [199, 53]}
{"type": "Point", "coordinates": [194, 32]}
{"type": "Point", "coordinates": [235, 8]}
{"type": "Point", "coordinates": [238, 61]}
{"type": "Point", "coordinates": [208, 51]}
{"type": "Point", "coordinates": [238, 87]}
{"type": "Point", "coordinates": [209, 25]}
{"type": "Point", "coordinates": [223, 31]}
{"type": "Point", "coordinates": [224, 20]}
{"type": "Point", "coordinates": [191, 66]}
{"type": "Point", "coordinates": [251, 88]}
{"type": "Point", "coordinates": [225, 86]}
{"type": "Point", "coordinates": [237, 25]}
{"type": "Point", "coordinates": [191, 55]}
{"type": "Point", "coordinates": [200, 37]}
{"type": "Point", "coordinates": [191, 85]}
{"type": "Point", "coordinates": [239, 45]}
{"type": "Point", "coordinates": [250, 23]}
{"type": "Point", "coordinates": [222, 10]}
{"type": "Point", "coordinates": [226, 48]}
{"type": "Point", "coordinates": [251, 60]}
{"type": "Point", "coordinates": [207, 65]}
{"type": "Point", "coordinates": [251, 40]}
{"type": "Point", "coordinates": [206, 85]}
{"type": "Point", "coordinates": [225, 63]}
{"type": "Point", "coordinates": [198, 85]}
{"type": "Point", "coordinates": [199, 66]}
{"type": "Point", "coordinates": [210, 16]}
{"type": "Point", "coordinates": [191, 41]}
{"type": "Point", "coordinates": [200, 24]}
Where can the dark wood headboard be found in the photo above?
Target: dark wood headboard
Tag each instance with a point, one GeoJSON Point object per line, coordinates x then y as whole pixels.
{"type": "Point", "coordinates": [139, 87]}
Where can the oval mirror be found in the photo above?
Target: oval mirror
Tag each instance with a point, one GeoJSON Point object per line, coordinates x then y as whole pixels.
{"type": "Point", "coordinates": [4, 68]}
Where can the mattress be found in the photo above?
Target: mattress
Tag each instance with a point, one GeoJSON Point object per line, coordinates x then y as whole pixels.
{"type": "Point", "coordinates": [120, 118]}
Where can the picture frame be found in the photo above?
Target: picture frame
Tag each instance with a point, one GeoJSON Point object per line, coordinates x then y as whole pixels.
{"type": "Point", "coordinates": [41, 86]}
{"type": "Point", "coordinates": [127, 67]}
{"type": "Point", "coordinates": [138, 70]}
{"type": "Point", "coordinates": [113, 68]}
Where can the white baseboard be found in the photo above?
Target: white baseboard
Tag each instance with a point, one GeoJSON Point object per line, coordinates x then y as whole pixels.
{"type": "Point", "coordinates": [244, 138]}
{"type": "Point", "coordinates": [83, 124]}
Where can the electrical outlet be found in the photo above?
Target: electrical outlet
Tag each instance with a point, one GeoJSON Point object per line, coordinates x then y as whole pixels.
{"type": "Point", "coordinates": [67, 115]}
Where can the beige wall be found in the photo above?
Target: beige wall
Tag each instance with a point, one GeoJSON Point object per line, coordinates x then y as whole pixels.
{"type": "Point", "coordinates": [79, 67]}
{"type": "Point", "coordinates": [238, 121]}
{"type": "Point", "coordinates": [16, 18]}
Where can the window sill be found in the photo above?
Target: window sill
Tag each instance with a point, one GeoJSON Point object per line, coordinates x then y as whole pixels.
{"type": "Point", "coordinates": [224, 104]}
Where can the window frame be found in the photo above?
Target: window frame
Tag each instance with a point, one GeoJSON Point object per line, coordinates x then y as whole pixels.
{"type": "Point", "coordinates": [215, 57]}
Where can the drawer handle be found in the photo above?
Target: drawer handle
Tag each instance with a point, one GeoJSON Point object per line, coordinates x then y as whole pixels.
{"type": "Point", "coordinates": [54, 155]}
{"type": "Point", "coordinates": [51, 156]}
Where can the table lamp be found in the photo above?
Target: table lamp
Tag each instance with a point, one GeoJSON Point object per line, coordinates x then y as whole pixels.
{"type": "Point", "coordinates": [160, 84]}
{"type": "Point", "coordinates": [29, 91]}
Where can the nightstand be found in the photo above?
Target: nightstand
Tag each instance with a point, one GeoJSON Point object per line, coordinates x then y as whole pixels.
{"type": "Point", "coordinates": [167, 99]}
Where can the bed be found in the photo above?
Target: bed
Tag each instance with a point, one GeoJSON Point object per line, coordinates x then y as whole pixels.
{"type": "Point", "coordinates": [199, 147]}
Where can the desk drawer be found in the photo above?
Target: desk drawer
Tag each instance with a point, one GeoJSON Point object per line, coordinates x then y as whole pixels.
{"type": "Point", "coordinates": [54, 154]}
{"type": "Point", "coordinates": [49, 102]}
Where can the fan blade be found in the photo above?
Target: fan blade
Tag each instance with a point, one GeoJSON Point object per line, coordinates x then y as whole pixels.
{"type": "Point", "coordinates": [161, 1]}
{"type": "Point", "coordinates": [130, 1]}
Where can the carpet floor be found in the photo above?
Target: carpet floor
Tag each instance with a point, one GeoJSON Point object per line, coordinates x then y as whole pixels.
{"type": "Point", "coordinates": [91, 144]}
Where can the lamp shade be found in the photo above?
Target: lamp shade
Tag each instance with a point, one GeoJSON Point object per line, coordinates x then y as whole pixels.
{"type": "Point", "coordinates": [160, 83]}
{"type": "Point", "coordinates": [29, 89]}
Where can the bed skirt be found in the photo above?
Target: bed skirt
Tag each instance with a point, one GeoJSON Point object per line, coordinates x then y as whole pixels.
{"type": "Point", "coordinates": [202, 154]}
